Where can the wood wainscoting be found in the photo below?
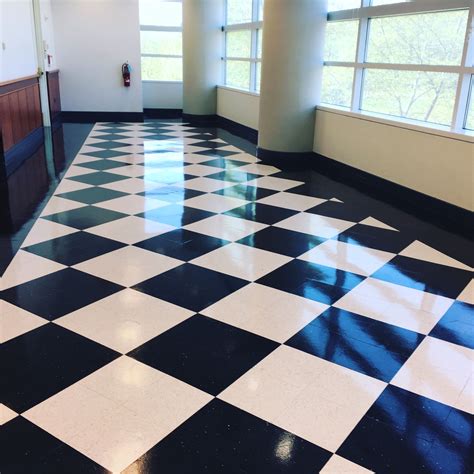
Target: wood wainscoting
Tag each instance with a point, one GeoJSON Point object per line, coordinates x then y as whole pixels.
{"type": "Point", "coordinates": [20, 110]}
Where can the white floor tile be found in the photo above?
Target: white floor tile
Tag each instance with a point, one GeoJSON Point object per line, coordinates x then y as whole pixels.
{"type": "Point", "coordinates": [277, 184]}
{"type": "Point", "coordinates": [214, 202]}
{"type": "Point", "coordinates": [15, 321]}
{"type": "Point", "coordinates": [128, 266]}
{"type": "Point", "coordinates": [438, 370]}
{"type": "Point", "coordinates": [265, 311]}
{"type": "Point", "coordinates": [226, 227]}
{"type": "Point", "coordinates": [119, 412]}
{"type": "Point", "coordinates": [132, 185]}
{"type": "Point", "coordinates": [421, 251]}
{"type": "Point", "coordinates": [6, 414]}
{"type": "Point", "coordinates": [376, 223]}
{"type": "Point", "coordinates": [382, 301]}
{"type": "Point", "coordinates": [313, 399]}
{"type": "Point", "coordinates": [132, 204]}
{"type": "Point", "coordinates": [59, 204]}
{"type": "Point", "coordinates": [242, 261]}
{"type": "Point", "coordinates": [467, 295]}
{"type": "Point", "coordinates": [132, 171]}
{"type": "Point", "coordinates": [339, 465]}
{"type": "Point", "coordinates": [124, 320]}
{"type": "Point", "coordinates": [26, 266]}
{"type": "Point", "coordinates": [201, 170]}
{"type": "Point", "coordinates": [43, 230]}
{"type": "Point", "coordinates": [68, 186]}
{"type": "Point", "coordinates": [78, 171]}
{"type": "Point", "coordinates": [314, 224]}
{"type": "Point", "coordinates": [207, 185]}
{"type": "Point", "coordinates": [130, 230]}
{"type": "Point", "coordinates": [264, 170]}
{"type": "Point", "coordinates": [296, 202]}
{"type": "Point", "coordinates": [347, 257]}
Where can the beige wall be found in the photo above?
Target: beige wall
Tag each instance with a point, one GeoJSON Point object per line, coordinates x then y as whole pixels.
{"type": "Point", "coordinates": [241, 107]}
{"type": "Point", "coordinates": [438, 166]}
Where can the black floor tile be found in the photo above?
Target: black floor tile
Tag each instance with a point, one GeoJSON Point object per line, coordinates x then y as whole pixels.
{"type": "Point", "coordinates": [316, 282]}
{"type": "Point", "coordinates": [282, 241]}
{"type": "Point", "coordinates": [59, 293]}
{"type": "Point", "coordinates": [339, 210]}
{"type": "Point", "coordinates": [358, 343]}
{"type": "Point", "coordinates": [108, 145]}
{"type": "Point", "coordinates": [171, 194]}
{"type": "Point", "coordinates": [227, 164]}
{"type": "Point", "coordinates": [182, 244]}
{"type": "Point", "coordinates": [217, 153]}
{"type": "Point", "coordinates": [457, 325]}
{"type": "Point", "coordinates": [205, 353]}
{"type": "Point", "coordinates": [425, 276]}
{"type": "Point", "coordinates": [103, 165]}
{"type": "Point", "coordinates": [106, 153]}
{"type": "Point", "coordinates": [191, 286]}
{"type": "Point", "coordinates": [223, 439]}
{"type": "Point", "coordinates": [176, 215]}
{"type": "Point", "coordinates": [85, 217]}
{"type": "Point", "coordinates": [233, 176]}
{"type": "Point", "coordinates": [248, 193]}
{"type": "Point", "coordinates": [261, 213]}
{"type": "Point", "coordinates": [92, 195]}
{"type": "Point", "coordinates": [74, 248]}
{"type": "Point", "coordinates": [44, 361]}
{"type": "Point", "coordinates": [101, 177]}
{"type": "Point", "coordinates": [376, 238]}
{"type": "Point", "coordinates": [405, 432]}
{"type": "Point", "coordinates": [27, 448]}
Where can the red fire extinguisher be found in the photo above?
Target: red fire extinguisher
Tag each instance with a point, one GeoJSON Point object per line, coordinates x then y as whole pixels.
{"type": "Point", "coordinates": [126, 70]}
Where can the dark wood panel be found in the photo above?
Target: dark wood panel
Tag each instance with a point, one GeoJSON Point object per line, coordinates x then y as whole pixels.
{"type": "Point", "coordinates": [54, 94]}
{"type": "Point", "coordinates": [20, 110]}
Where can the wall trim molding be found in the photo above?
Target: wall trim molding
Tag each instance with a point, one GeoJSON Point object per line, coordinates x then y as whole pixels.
{"type": "Point", "coordinates": [238, 129]}
{"type": "Point", "coordinates": [163, 113]}
{"type": "Point", "coordinates": [91, 117]}
{"type": "Point", "coordinates": [201, 120]}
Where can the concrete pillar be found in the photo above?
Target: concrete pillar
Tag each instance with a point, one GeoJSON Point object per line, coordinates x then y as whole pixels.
{"type": "Point", "coordinates": [202, 55]}
{"type": "Point", "coordinates": [293, 42]}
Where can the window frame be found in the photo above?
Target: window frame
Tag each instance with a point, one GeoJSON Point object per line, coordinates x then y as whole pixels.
{"type": "Point", "coordinates": [170, 29]}
{"type": "Point", "coordinates": [465, 70]}
{"type": "Point", "coordinates": [255, 27]}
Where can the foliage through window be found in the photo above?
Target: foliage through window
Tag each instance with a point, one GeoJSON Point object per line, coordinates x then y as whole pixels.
{"type": "Point", "coordinates": [400, 58]}
{"type": "Point", "coordinates": [161, 40]}
{"type": "Point", "coordinates": [243, 44]}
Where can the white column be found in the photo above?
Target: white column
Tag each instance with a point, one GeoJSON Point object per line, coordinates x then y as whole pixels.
{"type": "Point", "coordinates": [293, 42]}
{"type": "Point", "coordinates": [202, 55]}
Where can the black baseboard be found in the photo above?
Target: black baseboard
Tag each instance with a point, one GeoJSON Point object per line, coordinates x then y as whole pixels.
{"type": "Point", "coordinates": [163, 113]}
{"type": "Point", "coordinates": [238, 129]}
{"type": "Point", "coordinates": [92, 117]}
{"type": "Point", "coordinates": [286, 160]}
{"type": "Point", "coordinates": [200, 120]}
{"type": "Point", "coordinates": [433, 210]}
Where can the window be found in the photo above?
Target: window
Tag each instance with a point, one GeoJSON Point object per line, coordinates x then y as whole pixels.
{"type": "Point", "coordinates": [404, 58]}
{"type": "Point", "coordinates": [470, 112]}
{"type": "Point", "coordinates": [243, 44]}
{"type": "Point", "coordinates": [161, 40]}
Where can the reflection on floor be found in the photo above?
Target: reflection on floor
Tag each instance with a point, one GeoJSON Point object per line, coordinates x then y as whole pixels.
{"type": "Point", "coordinates": [180, 307]}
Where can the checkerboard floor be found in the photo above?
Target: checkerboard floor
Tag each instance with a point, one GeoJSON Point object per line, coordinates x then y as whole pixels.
{"type": "Point", "coordinates": [181, 307]}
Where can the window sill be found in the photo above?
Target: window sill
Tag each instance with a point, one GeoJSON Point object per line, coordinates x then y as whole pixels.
{"type": "Point", "coordinates": [431, 129]}
{"type": "Point", "coordinates": [242, 91]}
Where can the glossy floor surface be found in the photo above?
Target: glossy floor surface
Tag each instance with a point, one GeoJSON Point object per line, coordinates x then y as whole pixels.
{"type": "Point", "coordinates": [179, 307]}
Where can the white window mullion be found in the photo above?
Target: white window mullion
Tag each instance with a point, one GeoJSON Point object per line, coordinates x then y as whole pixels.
{"type": "Point", "coordinates": [360, 58]}
{"type": "Point", "coordinates": [463, 90]}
